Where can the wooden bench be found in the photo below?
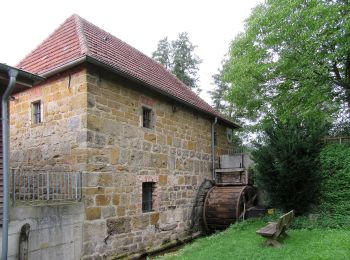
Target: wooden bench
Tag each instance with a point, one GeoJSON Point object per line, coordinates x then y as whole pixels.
{"type": "Point", "coordinates": [276, 230]}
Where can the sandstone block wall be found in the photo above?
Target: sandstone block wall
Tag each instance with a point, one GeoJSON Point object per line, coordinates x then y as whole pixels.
{"type": "Point", "coordinates": [56, 143]}
{"type": "Point", "coordinates": [92, 123]}
{"type": "Point", "coordinates": [175, 154]}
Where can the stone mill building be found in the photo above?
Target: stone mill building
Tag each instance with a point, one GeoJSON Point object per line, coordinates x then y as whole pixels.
{"type": "Point", "coordinates": [109, 153]}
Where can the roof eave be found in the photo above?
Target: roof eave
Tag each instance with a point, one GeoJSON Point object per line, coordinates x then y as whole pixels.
{"type": "Point", "coordinates": [64, 66]}
{"type": "Point", "coordinates": [96, 62]}
{"type": "Point", "coordinates": [21, 73]}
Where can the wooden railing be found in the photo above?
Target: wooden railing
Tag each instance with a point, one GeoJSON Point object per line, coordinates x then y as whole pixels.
{"type": "Point", "coordinates": [337, 139]}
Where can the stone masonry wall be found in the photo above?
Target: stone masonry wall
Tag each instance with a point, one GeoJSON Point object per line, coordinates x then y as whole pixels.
{"type": "Point", "coordinates": [122, 154]}
{"type": "Point", "coordinates": [58, 143]}
{"type": "Point", "coordinates": [92, 123]}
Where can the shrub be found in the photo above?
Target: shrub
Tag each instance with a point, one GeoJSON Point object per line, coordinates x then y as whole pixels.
{"type": "Point", "coordinates": [321, 221]}
{"type": "Point", "coordinates": [335, 189]}
{"type": "Point", "coordinates": [287, 162]}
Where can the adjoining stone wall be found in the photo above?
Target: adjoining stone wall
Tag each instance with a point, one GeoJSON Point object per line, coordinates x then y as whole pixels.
{"type": "Point", "coordinates": [55, 231]}
{"type": "Point", "coordinates": [175, 154]}
{"type": "Point", "coordinates": [223, 145]}
{"type": "Point", "coordinates": [59, 142]}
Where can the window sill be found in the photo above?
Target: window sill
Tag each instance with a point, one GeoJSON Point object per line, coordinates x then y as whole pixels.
{"type": "Point", "coordinates": [146, 129]}
{"type": "Point", "coordinates": [32, 125]}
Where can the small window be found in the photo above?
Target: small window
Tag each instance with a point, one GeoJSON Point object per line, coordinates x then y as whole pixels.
{"type": "Point", "coordinates": [146, 117]}
{"type": "Point", "coordinates": [147, 196]}
{"type": "Point", "coordinates": [215, 138]}
{"type": "Point", "coordinates": [36, 112]}
{"type": "Point", "coordinates": [229, 135]}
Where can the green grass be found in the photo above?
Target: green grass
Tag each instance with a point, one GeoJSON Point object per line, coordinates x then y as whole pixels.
{"type": "Point", "coordinates": [241, 242]}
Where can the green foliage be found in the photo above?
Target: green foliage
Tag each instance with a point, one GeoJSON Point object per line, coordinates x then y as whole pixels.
{"type": "Point", "coordinates": [163, 52]}
{"type": "Point", "coordinates": [241, 242]}
{"type": "Point", "coordinates": [335, 161]}
{"type": "Point", "coordinates": [218, 94]}
{"type": "Point", "coordinates": [321, 221]}
{"type": "Point", "coordinates": [179, 57]}
{"type": "Point", "coordinates": [292, 59]}
{"type": "Point", "coordinates": [333, 211]}
{"type": "Point", "coordinates": [287, 162]}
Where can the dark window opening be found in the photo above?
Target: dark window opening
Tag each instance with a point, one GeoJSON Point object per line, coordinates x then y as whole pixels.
{"type": "Point", "coordinates": [146, 117]}
{"type": "Point", "coordinates": [147, 196]}
{"type": "Point", "coordinates": [36, 112]}
{"type": "Point", "coordinates": [215, 139]}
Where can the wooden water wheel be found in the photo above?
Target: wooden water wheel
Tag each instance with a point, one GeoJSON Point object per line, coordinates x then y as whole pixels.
{"type": "Point", "coordinates": [224, 205]}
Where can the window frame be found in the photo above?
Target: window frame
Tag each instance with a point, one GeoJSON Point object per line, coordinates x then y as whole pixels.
{"type": "Point", "coordinates": [37, 112]}
{"type": "Point", "coordinates": [147, 122]}
{"type": "Point", "coordinates": [148, 189]}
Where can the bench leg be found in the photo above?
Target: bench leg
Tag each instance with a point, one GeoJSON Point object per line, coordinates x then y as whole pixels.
{"type": "Point", "coordinates": [284, 235]}
{"type": "Point", "coordinates": [272, 242]}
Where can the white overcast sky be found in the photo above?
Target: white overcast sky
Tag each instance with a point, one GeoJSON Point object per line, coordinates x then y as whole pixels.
{"type": "Point", "coordinates": [141, 23]}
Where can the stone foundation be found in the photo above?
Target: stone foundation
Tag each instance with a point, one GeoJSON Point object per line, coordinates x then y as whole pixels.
{"type": "Point", "coordinates": [55, 231]}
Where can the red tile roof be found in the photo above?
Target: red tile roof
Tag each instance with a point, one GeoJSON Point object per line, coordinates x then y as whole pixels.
{"type": "Point", "coordinates": [77, 38]}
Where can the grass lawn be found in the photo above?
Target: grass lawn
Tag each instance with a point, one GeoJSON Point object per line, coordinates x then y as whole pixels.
{"type": "Point", "coordinates": [241, 242]}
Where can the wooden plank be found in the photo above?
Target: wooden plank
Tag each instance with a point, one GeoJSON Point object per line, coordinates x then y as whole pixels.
{"type": "Point", "coordinates": [222, 184]}
{"type": "Point", "coordinates": [268, 231]}
{"type": "Point", "coordinates": [221, 209]}
{"type": "Point", "coordinates": [232, 170]}
{"type": "Point", "coordinates": [217, 227]}
{"type": "Point", "coordinates": [221, 221]}
{"type": "Point", "coordinates": [224, 215]}
{"type": "Point", "coordinates": [275, 229]}
{"type": "Point", "coordinates": [228, 189]}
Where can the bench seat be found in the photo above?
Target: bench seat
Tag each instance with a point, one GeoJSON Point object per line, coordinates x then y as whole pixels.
{"type": "Point", "coordinates": [275, 230]}
{"type": "Point", "coordinates": [268, 231]}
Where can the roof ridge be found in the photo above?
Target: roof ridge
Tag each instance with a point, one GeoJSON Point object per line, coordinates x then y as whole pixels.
{"type": "Point", "coordinates": [82, 39]}
{"type": "Point", "coordinates": [77, 40]}
{"type": "Point", "coordinates": [18, 65]}
{"type": "Point", "coordinates": [159, 65]}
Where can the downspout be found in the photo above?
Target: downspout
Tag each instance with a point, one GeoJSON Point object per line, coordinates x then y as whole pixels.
{"type": "Point", "coordinates": [213, 146]}
{"type": "Point", "coordinates": [5, 151]}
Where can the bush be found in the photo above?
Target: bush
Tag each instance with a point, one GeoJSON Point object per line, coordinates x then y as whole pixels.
{"type": "Point", "coordinates": [335, 189]}
{"type": "Point", "coordinates": [321, 221]}
{"type": "Point", "coordinates": [287, 163]}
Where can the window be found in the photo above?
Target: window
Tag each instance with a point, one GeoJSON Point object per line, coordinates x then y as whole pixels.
{"type": "Point", "coordinates": [146, 117]}
{"type": "Point", "coordinates": [147, 196]}
{"type": "Point", "coordinates": [229, 135]}
{"type": "Point", "coordinates": [215, 138]}
{"type": "Point", "coordinates": [36, 112]}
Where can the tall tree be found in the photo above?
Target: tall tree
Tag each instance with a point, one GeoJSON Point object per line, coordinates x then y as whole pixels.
{"type": "Point", "coordinates": [185, 61]}
{"type": "Point", "coordinates": [163, 53]}
{"type": "Point", "coordinates": [292, 59]}
{"type": "Point", "coordinates": [179, 58]}
{"type": "Point", "coordinates": [287, 162]}
{"type": "Point", "coordinates": [219, 94]}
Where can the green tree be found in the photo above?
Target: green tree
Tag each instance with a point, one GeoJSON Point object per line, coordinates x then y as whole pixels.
{"type": "Point", "coordinates": [163, 52]}
{"type": "Point", "coordinates": [185, 62]}
{"type": "Point", "coordinates": [287, 162]}
{"type": "Point", "coordinates": [179, 58]}
{"type": "Point", "coordinates": [219, 93]}
{"type": "Point", "coordinates": [293, 59]}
